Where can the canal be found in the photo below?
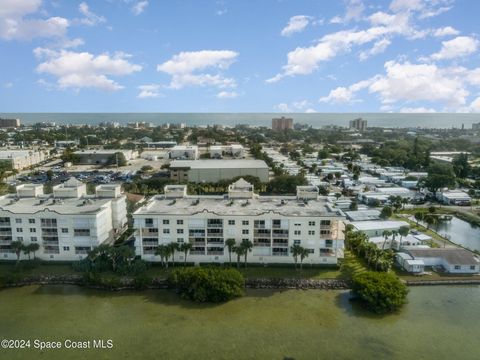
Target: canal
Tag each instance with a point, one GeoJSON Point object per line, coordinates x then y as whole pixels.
{"type": "Point", "coordinates": [438, 323]}
{"type": "Point", "coordinates": [461, 232]}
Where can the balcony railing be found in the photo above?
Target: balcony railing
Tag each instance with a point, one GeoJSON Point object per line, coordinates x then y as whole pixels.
{"type": "Point", "coordinates": [51, 251]}
{"type": "Point", "coordinates": [261, 244]}
{"type": "Point", "coordinates": [279, 254]}
{"type": "Point", "coordinates": [218, 242]}
{"type": "Point", "coordinates": [149, 243]}
{"type": "Point", "coordinates": [50, 243]}
{"type": "Point", "coordinates": [5, 233]}
{"type": "Point", "coordinates": [280, 235]}
{"type": "Point", "coordinates": [5, 242]}
{"type": "Point", "coordinates": [194, 252]}
{"type": "Point", "coordinates": [214, 252]}
{"type": "Point", "coordinates": [214, 225]}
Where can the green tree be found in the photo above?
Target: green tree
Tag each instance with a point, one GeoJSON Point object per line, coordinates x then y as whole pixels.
{"type": "Point", "coordinates": [164, 252]}
{"type": "Point", "coordinates": [296, 250]}
{"type": "Point", "coordinates": [247, 247]}
{"type": "Point", "coordinates": [461, 167]}
{"type": "Point", "coordinates": [17, 247]}
{"type": "Point", "coordinates": [403, 231]}
{"type": "Point", "coordinates": [439, 176]}
{"type": "Point", "coordinates": [379, 292]}
{"type": "Point", "coordinates": [419, 215]}
{"type": "Point", "coordinates": [34, 247]}
{"type": "Point", "coordinates": [185, 248]}
{"type": "Point", "coordinates": [173, 246]}
{"type": "Point", "coordinates": [208, 284]}
{"type": "Point", "coordinates": [386, 212]}
{"type": "Point", "coordinates": [303, 255]}
{"type": "Point", "coordinates": [230, 245]}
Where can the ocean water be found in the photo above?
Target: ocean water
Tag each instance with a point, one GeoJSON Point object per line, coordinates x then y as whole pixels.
{"type": "Point", "coordinates": [393, 120]}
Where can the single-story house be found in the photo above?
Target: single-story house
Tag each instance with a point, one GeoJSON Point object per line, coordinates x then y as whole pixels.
{"type": "Point", "coordinates": [376, 228]}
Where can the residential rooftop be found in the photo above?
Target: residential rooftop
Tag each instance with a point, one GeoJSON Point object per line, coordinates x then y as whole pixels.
{"type": "Point", "coordinates": [215, 164]}
{"type": "Point", "coordinates": [453, 256]}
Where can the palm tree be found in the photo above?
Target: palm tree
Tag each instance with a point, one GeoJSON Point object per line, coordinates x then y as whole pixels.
{"type": "Point", "coordinates": [419, 216]}
{"type": "Point", "coordinates": [26, 250]}
{"type": "Point", "coordinates": [405, 201]}
{"type": "Point", "coordinates": [173, 246]}
{"type": "Point", "coordinates": [247, 246]}
{"type": "Point", "coordinates": [296, 250]}
{"type": "Point", "coordinates": [385, 234]}
{"type": "Point", "coordinates": [230, 244]}
{"type": "Point", "coordinates": [34, 247]}
{"type": "Point", "coordinates": [185, 247]}
{"type": "Point", "coordinates": [239, 250]}
{"type": "Point", "coordinates": [17, 246]}
{"type": "Point", "coordinates": [303, 255]}
{"type": "Point", "coordinates": [394, 234]}
{"type": "Point", "coordinates": [162, 251]}
{"type": "Point", "coordinates": [430, 220]}
{"type": "Point", "coordinates": [403, 231]}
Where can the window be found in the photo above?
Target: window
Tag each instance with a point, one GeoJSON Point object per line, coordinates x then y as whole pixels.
{"type": "Point", "coordinates": [48, 222]}
{"type": "Point", "coordinates": [166, 222]}
{"type": "Point", "coordinates": [31, 221]}
{"type": "Point", "coordinates": [166, 231]}
{"type": "Point", "coordinates": [245, 231]}
{"type": "Point", "coordinates": [148, 222]}
{"type": "Point", "coordinates": [311, 223]}
{"type": "Point", "coordinates": [311, 251]}
{"type": "Point", "coordinates": [328, 243]}
{"type": "Point", "coordinates": [33, 230]}
{"type": "Point", "coordinates": [231, 222]}
{"type": "Point", "coordinates": [33, 238]}
{"type": "Point", "coordinates": [18, 221]}
{"type": "Point", "coordinates": [311, 232]}
{"type": "Point", "coordinates": [19, 230]}
{"type": "Point", "coordinates": [457, 267]}
{"type": "Point", "coordinates": [245, 222]}
{"type": "Point", "coordinates": [297, 224]}
{"type": "Point", "coordinates": [179, 222]}
{"type": "Point", "coordinates": [296, 242]}
{"type": "Point", "coordinates": [472, 267]}
{"type": "Point", "coordinates": [297, 232]}
{"type": "Point", "coordinates": [66, 248]}
{"type": "Point", "coordinates": [65, 230]}
{"type": "Point", "coordinates": [19, 238]}
{"type": "Point", "coordinates": [179, 231]}
{"type": "Point", "coordinates": [180, 240]}
{"type": "Point", "coordinates": [81, 232]}
{"type": "Point", "coordinates": [325, 222]}
{"type": "Point", "coordinates": [324, 232]}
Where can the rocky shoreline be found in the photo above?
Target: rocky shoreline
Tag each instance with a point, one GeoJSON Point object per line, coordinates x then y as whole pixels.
{"type": "Point", "coordinates": [261, 283]}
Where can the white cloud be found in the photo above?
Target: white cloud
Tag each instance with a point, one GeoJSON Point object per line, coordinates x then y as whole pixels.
{"type": "Point", "coordinates": [139, 7]}
{"type": "Point", "coordinates": [310, 111]}
{"type": "Point", "coordinates": [296, 24]}
{"type": "Point", "coordinates": [344, 95]}
{"type": "Point", "coordinates": [461, 46]}
{"type": "Point", "coordinates": [354, 11]}
{"type": "Point", "coordinates": [183, 67]}
{"type": "Point", "coordinates": [417, 110]}
{"type": "Point", "coordinates": [378, 48]}
{"type": "Point", "coordinates": [475, 105]}
{"type": "Point", "coordinates": [149, 91]}
{"type": "Point", "coordinates": [445, 31]}
{"type": "Point", "coordinates": [90, 18]}
{"type": "Point", "coordinates": [227, 95]}
{"type": "Point", "coordinates": [15, 25]}
{"type": "Point", "coordinates": [282, 107]}
{"type": "Point", "coordinates": [8, 85]}
{"type": "Point", "coordinates": [84, 70]}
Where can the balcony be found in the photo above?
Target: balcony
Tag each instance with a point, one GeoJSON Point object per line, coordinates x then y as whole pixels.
{"type": "Point", "coordinates": [282, 236]}
{"type": "Point", "coordinates": [196, 252]}
{"type": "Point", "coordinates": [213, 241]}
{"type": "Point", "coordinates": [5, 242]}
{"type": "Point", "coordinates": [280, 254]}
{"type": "Point", "coordinates": [214, 252]}
{"type": "Point", "coordinates": [194, 242]}
{"type": "Point", "coordinates": [150, 232]}
{"type": "Point", "coordinates": [51, 251]}
{"type": "Point", "coordinates": [150, 242]}
{"type": "Point", "coordinates": [50, 243]}
{"type": "Point", "coordinates": [257, 244]}
{"type": "Point", "coordinates": [213, 226]}
{"type": "Point", "coordinates": [5, 233]}
{"type": "Point", "coordinates": [281, 244]}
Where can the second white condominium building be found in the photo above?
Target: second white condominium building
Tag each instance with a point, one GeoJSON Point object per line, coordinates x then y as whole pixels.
{"type": "Point", "coordinates": [65, 224]}
{"type": "Point", "coordinates": [272, 223]}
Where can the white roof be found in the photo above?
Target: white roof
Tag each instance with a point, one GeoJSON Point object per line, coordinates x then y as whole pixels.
{"type": "Point", "coordinates": [218, 164]}
{"type": "Point", "coordinates": [378, 225]}
{"type": "Point", "coordinates": [414, 262]}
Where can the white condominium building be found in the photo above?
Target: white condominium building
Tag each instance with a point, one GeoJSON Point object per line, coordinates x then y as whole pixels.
{"type": "Point", "coordinates": [272, 223]}
{"type": "Point", "coordinates": [66, 224]}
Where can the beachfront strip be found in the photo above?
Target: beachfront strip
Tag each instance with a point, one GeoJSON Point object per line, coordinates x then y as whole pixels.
{"type": "Point", "coordinates": [272, 223]}
{"type": "Point", "coordinates": [66, 224]}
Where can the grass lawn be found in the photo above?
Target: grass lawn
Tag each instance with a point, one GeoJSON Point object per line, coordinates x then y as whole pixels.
{"type": "Point", "coordinates": [269, 272]}
{"type": "Point", "coordinates": [41, 269]}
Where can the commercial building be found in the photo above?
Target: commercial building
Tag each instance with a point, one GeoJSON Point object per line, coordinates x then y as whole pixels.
{"type": "Point", "coordinates": [22, 159]}
{"type": "Point", "coordinates": [476, 126]}
{"type": "Point", "coordinates": [282, 123]}
{"type": "Point", "coordinates": [9, 123]}
{"type": "Point", "coordinates": [233, 150]}
{"type": "Point", "coordinates": [272, 223]}
{"type": "Point", "coordinates": [66, 224]}
{"type": "Point", "coordinates": [205, 171]}
{"type": "Point", "coordinates": [102, 157]}
{"type": "Point", "coordinates": [454, 197]}
{"type": "Point", "coordinates": [184, 152]}
{"type": "Point", "coordinates": [358, 124]}
{"type": "Point", "coordinates": [376, 228]}
{"type": "Point", "coordinates": [451, 260]}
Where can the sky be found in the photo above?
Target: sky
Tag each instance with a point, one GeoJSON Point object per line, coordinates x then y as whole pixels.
{"type": "Point", "coordinates": [309, 56]}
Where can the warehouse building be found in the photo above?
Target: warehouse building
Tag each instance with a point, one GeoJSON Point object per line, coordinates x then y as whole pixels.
{"type": "Point", "coordinates": [211, 171]}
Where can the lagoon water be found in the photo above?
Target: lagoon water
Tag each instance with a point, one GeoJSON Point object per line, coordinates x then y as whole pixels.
{"type": "Point", "coordinates": [461, 232]}
{"type": "Point", "coordinates": [438, 323]}
{"type": "Point", "coordinates": [443, 120]}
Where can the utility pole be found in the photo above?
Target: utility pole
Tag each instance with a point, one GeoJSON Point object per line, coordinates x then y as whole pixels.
{"type": "Point", "coordinates": [116, 159]}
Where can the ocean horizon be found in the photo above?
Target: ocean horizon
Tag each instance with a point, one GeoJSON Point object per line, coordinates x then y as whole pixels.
{"type": "Point", "coordinates": [316, 120]}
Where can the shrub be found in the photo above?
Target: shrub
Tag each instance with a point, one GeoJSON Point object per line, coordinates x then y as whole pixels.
{"type": "Point", "coordinates": [379, 292]}
{"type": "Point", "coordinates": [210, 284]}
